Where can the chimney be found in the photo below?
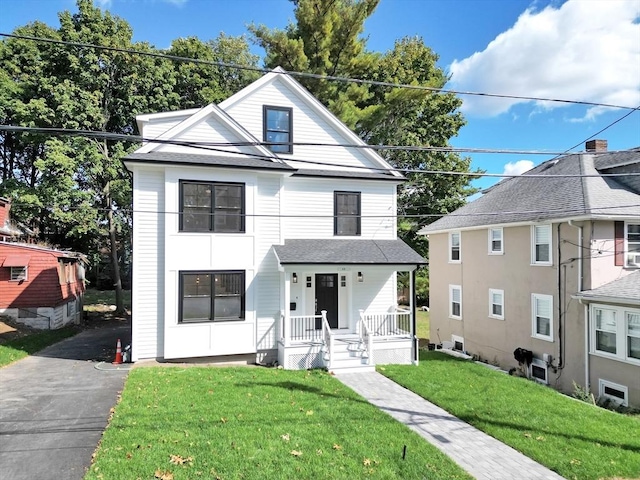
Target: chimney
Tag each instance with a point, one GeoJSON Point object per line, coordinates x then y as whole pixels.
{"type": "Point", "coordinates": [596, 146]}
{"type": "Point", "coordinates": [5, 205]}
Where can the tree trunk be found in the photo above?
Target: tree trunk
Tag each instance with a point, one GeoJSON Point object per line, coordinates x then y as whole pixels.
{"type": "Point", "coordinates": [115, 265]}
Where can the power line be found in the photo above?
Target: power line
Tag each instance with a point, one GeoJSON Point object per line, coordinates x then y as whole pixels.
{"type": "Point", "coordinates": [206, 147]}
{"type": "Point", "coordinates": [312, 75]}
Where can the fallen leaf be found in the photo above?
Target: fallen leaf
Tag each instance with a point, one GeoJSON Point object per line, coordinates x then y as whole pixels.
{"type": "Point", "coordinates": [337, 447]}
{"type": "Point", "coordinates": [318, 452]}
{"type": "Point", "coordinates": [296, 453]}
{"type": "Point", "coordinates": [223, 420]}
{"type": "Point", "coordinates": [285, 437]}
{"type": "Point", "coordinates": [179, 460]}
{"type": "Point", "coordinates": [366, 462]}
{"type": "Point", "coordinates": [528, 435]}
{"type": "Point", "coordinates": [309, 412]}
{"type": "Point", "coordinates": [160, 475]}
{"type": "Point", "coordinates": [540, 438]}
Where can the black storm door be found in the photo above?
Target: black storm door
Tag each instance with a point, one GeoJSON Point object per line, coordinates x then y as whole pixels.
{"type": "Point", "coordinates": [327, 296]}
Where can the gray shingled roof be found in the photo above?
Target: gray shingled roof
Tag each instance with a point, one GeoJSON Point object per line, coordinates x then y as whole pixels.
{"type": "Point", "coordinates": [533, 199]}
{"type": "Point", "coordinates": [626, 288]}
{"type": "Point", "coordinates": [177, 158]}
{"type": "Point", "coordinates": [343, 251]}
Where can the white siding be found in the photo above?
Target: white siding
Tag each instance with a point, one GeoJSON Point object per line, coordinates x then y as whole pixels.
{"type": "Point", "coordinates": [309, 204]}
{"type": "Point", "coordinates": [308, 127]}
{"type": "Point", "coordinates": [148, 261]}
{"type": "Point", "coordinates": [377, 293]}
{"type": "Point", "coordinates": [155, 128]}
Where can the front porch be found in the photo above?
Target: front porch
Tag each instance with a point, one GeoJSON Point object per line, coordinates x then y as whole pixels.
{"type": "Point", "coordinates": [308, 341]}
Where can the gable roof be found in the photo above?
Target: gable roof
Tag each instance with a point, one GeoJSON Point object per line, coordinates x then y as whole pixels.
{"type": "Point", "coordinates": [347, 252]}
{"type": "Point", "coordinates": [535, 199]}
{"type": "Point", "coordinates": [623, 290]}
{"type": "Point", "coordinates": [179, 158]}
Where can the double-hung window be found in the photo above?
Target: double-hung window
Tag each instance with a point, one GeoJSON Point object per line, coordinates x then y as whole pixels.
{"type": "Point", "coordinates": [542, 316]}
{"type": "Point", "coordinates": [496, 303]}
{"type": "Point", "coordinates": [541, 244]}
{"type": "Point", "coordinates": [211, 296]}
{"type": "Point", "coordinates": [455, 301]}
{"type": "Point", "coordinates": [615, 332]}
{"type": "Point", "coordinates": [211, 207]}
{"type": "Point", "coordinates": [454, 247]}
{"type": "Point", "coordinates": [346, 213]}
{"type": "Point", "coordinates": [278, 128]}
{"type": "Point", "coordinates": [632, 238]}
{"type": "Point", "coordinates": [495, 241]}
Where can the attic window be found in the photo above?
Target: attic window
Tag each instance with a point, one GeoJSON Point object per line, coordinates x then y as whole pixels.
{"type": "Point", "coordinates": [278, 128]}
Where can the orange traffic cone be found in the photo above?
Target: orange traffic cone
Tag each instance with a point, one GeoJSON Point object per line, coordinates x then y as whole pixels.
{"type": "Point", "coordinates": [118, 359]}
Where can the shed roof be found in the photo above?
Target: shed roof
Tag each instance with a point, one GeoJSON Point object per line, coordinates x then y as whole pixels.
{"type": "Point", "coordinates": [625, 290]}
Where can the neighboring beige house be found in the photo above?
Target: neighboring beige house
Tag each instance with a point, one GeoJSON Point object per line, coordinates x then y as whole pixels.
{"type": "Point", "coordinates": [548, 262]}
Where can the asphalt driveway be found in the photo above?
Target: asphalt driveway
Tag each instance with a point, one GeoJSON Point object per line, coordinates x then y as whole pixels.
{"type": "Point", "coordinates": [55, 404]}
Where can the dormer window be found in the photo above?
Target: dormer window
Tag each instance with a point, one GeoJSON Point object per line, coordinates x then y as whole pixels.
{"type": "Point", "coordinates": [278, 128]}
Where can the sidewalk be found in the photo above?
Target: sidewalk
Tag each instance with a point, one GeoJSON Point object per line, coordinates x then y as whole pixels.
{"type": "Point", "coordinates": [482, 456]}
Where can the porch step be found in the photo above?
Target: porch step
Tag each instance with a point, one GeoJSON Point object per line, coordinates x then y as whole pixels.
{"type": "Point", "coordinates": [346, 357]}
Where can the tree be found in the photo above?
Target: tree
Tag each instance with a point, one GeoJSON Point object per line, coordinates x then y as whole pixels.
{"type": "Point", "coordinates": [327, 40]}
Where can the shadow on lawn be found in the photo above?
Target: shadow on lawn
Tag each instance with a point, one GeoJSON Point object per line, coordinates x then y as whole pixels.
{"type": "Point", "coordinates": [298, 386]}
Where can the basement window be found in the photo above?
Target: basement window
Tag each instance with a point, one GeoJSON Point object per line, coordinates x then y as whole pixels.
{"type": "Point", "coordinates": [614, 392]}
{"type": "Point", "coordinates": [539, 371]}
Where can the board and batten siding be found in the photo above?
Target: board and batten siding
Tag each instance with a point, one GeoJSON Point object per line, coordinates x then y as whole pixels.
{"type": "Point", "coordinates": [308, 127]}
{"type": "Point", "coordinates": [309, 207]}
{"type": "Point", "coordinates": [267, 225]}
{"type": "Point", "coordinates": [148, 263]}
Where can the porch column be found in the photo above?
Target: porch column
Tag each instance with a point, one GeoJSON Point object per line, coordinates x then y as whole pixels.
{"type": "Point", "coordinates": [287, 313]}
{"type": "Point", "coordinates": [412, 309]}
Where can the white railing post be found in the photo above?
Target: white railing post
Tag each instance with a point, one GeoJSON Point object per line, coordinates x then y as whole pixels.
{"type": "Point", "coordinates": [327, 337]}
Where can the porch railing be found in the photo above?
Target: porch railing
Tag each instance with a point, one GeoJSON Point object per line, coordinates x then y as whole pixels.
{"type": "Point", "coordinates": [366, 338]}
{"type": "Point", "coordinates": [327, 339]}
{"type": "Point", "coordinates": [390, 324]}
{"type": "Point", "coordinates": [306, 328]}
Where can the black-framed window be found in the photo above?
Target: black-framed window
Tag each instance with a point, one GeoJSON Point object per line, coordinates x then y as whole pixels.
{"type": "Point", "coordinates": [277, 127]}
{"type": "Point", "coordinates": [211, 296]}
{"type": "Point", "coordinates": [212, 207]}
{"type": "Point", "coordinates": [346, 213]}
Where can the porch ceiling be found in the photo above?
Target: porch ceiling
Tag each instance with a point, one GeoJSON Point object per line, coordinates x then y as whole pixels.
{"type": "Point", "coordinates": [346, 251]}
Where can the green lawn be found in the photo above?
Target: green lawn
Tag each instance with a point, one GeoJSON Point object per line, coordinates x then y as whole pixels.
{"type": "Point", "coordinates": [422, 323]}
{"type": "Point", "coordinates": [256, 423]}
{"type": "Point", "coordinates": [575, 439]}
{"type": "Point", "coordinates": [19, 348]}
{"type": "Point", "coordinates": [96, 300]}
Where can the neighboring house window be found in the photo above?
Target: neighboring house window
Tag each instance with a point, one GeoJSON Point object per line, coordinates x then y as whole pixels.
{"type": "Point", "coordinates": [278, 128]}
{"type": "Point", "coordinates": [542, 316]}
{"type": "Point", "coordinates": [18, 273]}
{"type": "Point", "coordinates": [455, 301]}
{"type": "Point", "coordinates": [495, 241]}
{"type": "Point", "coordinates": [211, 296]}
{"type": "Point", "coordinates": [454, 247]}
{"type": "Point", "coordinates": [211, 207]}
{"type": "Point", "coordinates": [632, 238]}
{"type": "Point", "coordinates": [618, 394]}
{"type": "Point", "coordinates": [496, 303]}
{"type": "Point", "coordinates": [615, 332]}
{"type": "Point", "coordinates": [347, 213]}
{"type": "Point", "coordinates": [541, 244]}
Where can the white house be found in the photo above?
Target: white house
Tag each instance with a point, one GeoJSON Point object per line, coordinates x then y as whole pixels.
{"type": "Point", "coordinates": [253, 238]}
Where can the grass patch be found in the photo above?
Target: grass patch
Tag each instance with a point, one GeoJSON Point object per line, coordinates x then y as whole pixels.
{"type": "Point", "coordinates": [573, 438]}
{"type": "Point", "coordinates": [19, 348]}
{"type": "Point", "coordinates": [99, 300]}
{"type": "Point", "coordinates": [256, 423]}
{"type": "Point", "coordinates": [422, 323]}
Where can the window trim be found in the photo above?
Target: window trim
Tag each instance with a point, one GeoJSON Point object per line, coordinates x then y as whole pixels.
{"type": "Point", "coordinates": [493, 291]}
{"type": "Point", "coordinates": [243, 207]}
{"type": "Point", "coordinates": [451, 234]}
{"type": "Point", "coordinates": [602, 384]}
{"type": "Point", "coordinates": [21, 276]}
{"type": "Point", "coordinates": [265, 109]}
{"type": "Point", "coordinates": [490, 234]}
{"type": "Point", "coordinates": [451, 289]}
{"type": "Point", "coordinates": [534, 332]}
{"type": "Point", "coordinates": [627, 253]}
{"type": "Point", "coordinates": [534, 260]}
{"type": "Point", "coordinates": [622, 333]}
{"type": "Point", "coordinates": [243, 311]}
{"type": "Point", "coordinates": [540, 364]}
{"type": "Point", "coordinates": [336, 216]}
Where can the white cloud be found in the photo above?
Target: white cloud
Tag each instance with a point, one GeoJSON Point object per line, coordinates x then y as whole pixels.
{"type": "Point", "coordinates": [177, 3]}
{"type": "Point", "coordinates": [517, 168]}
{"type": "Point", "coordinates": [588, 51]}
{"type": "Point", "coordinates": [104, 3]}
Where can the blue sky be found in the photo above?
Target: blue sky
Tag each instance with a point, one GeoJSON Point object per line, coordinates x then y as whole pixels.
{"type": "Point", "coordinates": [575, 49]}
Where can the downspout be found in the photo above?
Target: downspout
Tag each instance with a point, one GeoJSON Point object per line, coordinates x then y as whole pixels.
{"type": "Point", "coordinates": [412, 309]}
{"type": "Point", "coordinates": [580, 230]}
{"type": "Point", "coordinates": [586, 310]}
{"type": "Point", "coordinates": [560, 353]}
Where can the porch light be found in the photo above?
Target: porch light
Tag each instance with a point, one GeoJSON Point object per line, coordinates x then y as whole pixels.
{"type": "Point", "coordinates": [294, 278]}
{"type": "Point", "coordinates": [360, 277]}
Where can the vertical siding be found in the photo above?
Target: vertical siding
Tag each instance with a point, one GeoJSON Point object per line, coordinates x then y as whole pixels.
{"type": "Point", "coordinates": [308, 127]}
{"type": "Point", "coordinates": [148, 263]}
{"type": "Point", "coordinates": [268, 234]}
{"type": "Point", "coordinates": [310, 204]}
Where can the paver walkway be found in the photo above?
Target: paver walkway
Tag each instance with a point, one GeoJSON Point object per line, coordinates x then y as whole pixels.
{"type": "Point", "coordinates": [482, 456]}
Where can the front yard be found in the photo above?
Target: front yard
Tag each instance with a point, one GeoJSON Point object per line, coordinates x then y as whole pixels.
{"type": "Point", "coordinates": [256, 423]}
{"type": "Point", "coordinates": [575, 439]}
